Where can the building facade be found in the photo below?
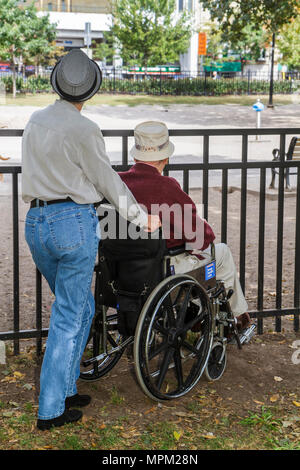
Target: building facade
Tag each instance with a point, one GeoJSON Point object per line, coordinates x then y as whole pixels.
{"type": "Point", "coordinates": [71, 17]}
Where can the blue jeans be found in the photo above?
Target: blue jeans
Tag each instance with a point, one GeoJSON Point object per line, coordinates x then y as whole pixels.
{"type": "Point", "coordinates": [63, 242]}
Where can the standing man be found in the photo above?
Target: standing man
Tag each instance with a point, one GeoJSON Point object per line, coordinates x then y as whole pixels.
{"type": "Point", "coordinates": [65, 171]}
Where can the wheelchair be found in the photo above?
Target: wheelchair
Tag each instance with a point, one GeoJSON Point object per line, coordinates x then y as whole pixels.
{"type": "Point", "coordinates": [178, 325]}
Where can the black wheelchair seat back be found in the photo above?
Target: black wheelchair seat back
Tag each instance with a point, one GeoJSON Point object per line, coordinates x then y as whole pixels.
{"type": "Point", "coordinates": [130, 270]}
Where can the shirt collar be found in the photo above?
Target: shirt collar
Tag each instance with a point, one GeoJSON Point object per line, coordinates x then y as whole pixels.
{"type": "Point", "coordinates": [145, 167]}
{"type": "Point", "coordinates": [66, 104]}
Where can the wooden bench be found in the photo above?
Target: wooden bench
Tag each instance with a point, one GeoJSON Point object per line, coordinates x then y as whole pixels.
{"type": "Point", "coordinates": [293, 153]}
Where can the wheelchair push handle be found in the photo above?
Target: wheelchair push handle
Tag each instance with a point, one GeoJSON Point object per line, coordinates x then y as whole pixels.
{"type": "Point", "coordinates": [213, 251]}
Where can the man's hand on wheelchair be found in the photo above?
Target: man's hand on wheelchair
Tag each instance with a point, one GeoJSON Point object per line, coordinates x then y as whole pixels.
{"type": "Point", "coordinates": [153, 223]}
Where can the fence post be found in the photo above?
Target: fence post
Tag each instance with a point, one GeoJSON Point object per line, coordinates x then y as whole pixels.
{"type": "Point", "coordinates": [249, 82]}
{"type": "Point", "coordinates": [160, 92]}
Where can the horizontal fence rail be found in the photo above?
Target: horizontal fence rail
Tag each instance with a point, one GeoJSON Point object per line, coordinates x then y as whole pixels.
{"type": "Point", "coordinates": [186, 168]}
{"type": "Point", "coordinates": [162, 82]}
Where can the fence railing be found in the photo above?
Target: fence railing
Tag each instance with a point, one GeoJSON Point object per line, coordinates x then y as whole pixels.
{"type": "Point", "coordinates": [117, 80]}
{"type": "Point", "coordinates": [186, 169]}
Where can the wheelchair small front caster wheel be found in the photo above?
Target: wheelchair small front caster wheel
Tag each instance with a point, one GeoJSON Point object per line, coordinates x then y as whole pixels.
{"type": "Point", "coordinates": [217, 361]}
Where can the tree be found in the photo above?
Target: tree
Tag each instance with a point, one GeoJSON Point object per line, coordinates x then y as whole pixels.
{"type": "Point", "coordinates": [149, 32]}
{"type": "Point", "coordinates": [22, 34]}
{"type": "Point", "coordinates": [106, 50]}
{"type": "Point", "coordinates": [289, 44]}
{"type": "Point", "coordinates": [234, 16]}
{"type": "Point", "coordinates": [39, 36]}
{"type": "Point", "coordinates": [248, 46]}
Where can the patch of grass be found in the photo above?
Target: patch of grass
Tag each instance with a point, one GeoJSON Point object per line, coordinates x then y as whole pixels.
{"type": "Point", "coordinates": [264, 420]}
{"type": "Point", "coordinates": [116, 398]}
{"type": "Point", "coordinates": [159, 436]}
{"type": "Point", "coordinates": [43, 99]}
{"type": "Point", "coordinates": [107, 438]}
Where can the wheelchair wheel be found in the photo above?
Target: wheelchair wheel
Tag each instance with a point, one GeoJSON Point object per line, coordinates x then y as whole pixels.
{"type": "Point", "coordinates": [216, 363]}
{"type": "Point", "coordinates": [173, 338]}
{"type": "Point", "coordinates": [95, 347]}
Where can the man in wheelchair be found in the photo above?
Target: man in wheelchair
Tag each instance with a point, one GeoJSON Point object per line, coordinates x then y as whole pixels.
{"type": "Point", "coordinates": [180, 222]}
{"type": "Point", "coordinates": [175, 296]}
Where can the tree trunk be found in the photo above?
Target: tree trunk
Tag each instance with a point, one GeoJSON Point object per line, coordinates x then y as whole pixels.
{"type": "Point", "coordinates": [14, 88]}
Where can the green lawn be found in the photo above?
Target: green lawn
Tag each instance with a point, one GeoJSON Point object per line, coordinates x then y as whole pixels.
{"type": "Point", "coordinates": [43, 99]}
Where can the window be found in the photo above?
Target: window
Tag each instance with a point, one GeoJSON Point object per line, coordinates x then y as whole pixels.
{"type": "Point", "coordinates": [63, 6]}
{"type": "Point", "coordinates": [180, 5]}
{"type": "Point", "coordinates": [50, 6]}
{"type": "Point", "coordinates": [190, 5]}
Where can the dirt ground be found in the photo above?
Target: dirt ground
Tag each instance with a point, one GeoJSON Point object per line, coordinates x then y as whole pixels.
{"type": "Point", "coordinates": [251, 377]}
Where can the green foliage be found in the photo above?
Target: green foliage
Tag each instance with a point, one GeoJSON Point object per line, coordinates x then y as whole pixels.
{"type": "Point", "coordinates": [153, 86]}
{"type": "Point", "coordinates": [23, 34]}
{"type": "Point", "coordinates": [106, 50]}
{"type": "Point", "coordinates": [233, 17]}
{"type": "Point", "coordinates": [194, 86]}
{"type": "Point", "coordinates": [289, 44]}
{"type": "Point", "coordinates": [148, 33]}
{"type": "Point", "coordinates": [32, 84]}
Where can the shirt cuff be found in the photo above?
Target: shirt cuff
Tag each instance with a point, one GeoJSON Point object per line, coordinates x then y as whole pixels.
{"type": "Point", "coordinates": [137, 216]}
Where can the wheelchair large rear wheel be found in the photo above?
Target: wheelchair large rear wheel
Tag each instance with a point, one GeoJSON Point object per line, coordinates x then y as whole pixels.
{"type": "Point", "coordinates": [173, 338]}
{"type": "Point", "coordinates": [95, 347]}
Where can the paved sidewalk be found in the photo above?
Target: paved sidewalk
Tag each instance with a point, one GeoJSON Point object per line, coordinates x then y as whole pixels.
{"type": "Point", "coordinates": [176, 117]}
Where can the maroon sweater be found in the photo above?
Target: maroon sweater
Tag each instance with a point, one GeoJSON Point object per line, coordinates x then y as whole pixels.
{"type": "Point", "coordinates": [150, 188]}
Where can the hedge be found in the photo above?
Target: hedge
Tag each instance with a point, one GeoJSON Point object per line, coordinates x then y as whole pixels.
{"type": "Point", "coordinates": [166, 86]}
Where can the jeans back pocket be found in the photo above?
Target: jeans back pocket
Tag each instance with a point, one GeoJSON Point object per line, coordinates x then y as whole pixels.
{"type": "Point", "coordinates": [66, 230]}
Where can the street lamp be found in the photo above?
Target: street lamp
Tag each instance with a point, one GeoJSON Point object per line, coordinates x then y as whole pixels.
{"type": "Point", "coordinates": [270, 104]}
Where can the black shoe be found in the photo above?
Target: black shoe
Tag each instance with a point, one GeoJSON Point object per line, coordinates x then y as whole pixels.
{"type": "Point", "coordinates": [77, 400]}
{"type": "Point", "coordinates": [69, 416]}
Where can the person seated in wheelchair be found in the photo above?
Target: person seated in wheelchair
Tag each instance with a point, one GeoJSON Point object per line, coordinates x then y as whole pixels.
{"type": "Point", "coordinates": [180, 222]}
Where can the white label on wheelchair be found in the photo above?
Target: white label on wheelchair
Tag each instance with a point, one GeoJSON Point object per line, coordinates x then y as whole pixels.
{"type": "Point", "coordinates": [210, 270]}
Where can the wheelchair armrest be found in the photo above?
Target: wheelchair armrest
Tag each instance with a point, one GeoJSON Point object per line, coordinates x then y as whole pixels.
{"type": "Point", "coordinates": [176, 250]}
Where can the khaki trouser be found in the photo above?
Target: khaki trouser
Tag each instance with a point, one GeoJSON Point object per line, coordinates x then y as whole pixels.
{"type": "Point", "coordinates": [225, 271]}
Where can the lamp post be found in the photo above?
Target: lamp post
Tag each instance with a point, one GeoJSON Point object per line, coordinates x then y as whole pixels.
{"type": "Point", "coordinates": [270, 104]}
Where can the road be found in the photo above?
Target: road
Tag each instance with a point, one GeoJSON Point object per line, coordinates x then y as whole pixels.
{"type": "Point", "coordinates": [187, 150]}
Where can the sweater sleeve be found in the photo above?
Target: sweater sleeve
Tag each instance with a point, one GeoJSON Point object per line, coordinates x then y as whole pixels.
{"type": "Point", "coordinates": [196, 232]}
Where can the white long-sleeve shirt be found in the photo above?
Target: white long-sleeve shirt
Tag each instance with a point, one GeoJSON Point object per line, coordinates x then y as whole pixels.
{"type": "Point", "coordinates": [63, 155]}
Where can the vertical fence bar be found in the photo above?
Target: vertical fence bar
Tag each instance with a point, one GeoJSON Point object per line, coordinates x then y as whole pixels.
{"type": "Point", "coordinates": [16, 294]}
{"type": "Point", "coordinates": [261, 248]}
{"type": "Point", "coordinates": [186, 181]}
{"type": "Point", "coordinates": [280, 215]}
{"type": "Point", "coordinates": [124, 150]}
{"type": "Point", "coordinates": [205, 175]}
{"type": "Point", "coordinates": [297, 255]}
{"type": "Point", "coordinates": [224, 205]}
{"type": "Point", "coordinates": [243, 216]}
{"type": "Point", "coordinates": [38, 312]}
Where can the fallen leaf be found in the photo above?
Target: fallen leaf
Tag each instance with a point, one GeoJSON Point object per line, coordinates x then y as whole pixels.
{"type": "Point", "coordinates": [274, 398]}
{"type": "Point", "coordinates": [209, 436]}
{"type": "Point", "coordinates": [18, 374]}
{"type": "Point", "coordinates": [278, 379]}
{"type": "Point", "coordinates": [258, 402]}
{"type": "Point", "coordinates": [9, 379]}
{"type": "Point", "coordinates": [177, 435]}
{"type": "Point", "coordinates": [27, 386]}
{"type": "Point", "coordinates": [150, 410]}
{"type": "Point", "coordinates": [296, 403]}
{"type": "Point", "coordinates": [13, 403]}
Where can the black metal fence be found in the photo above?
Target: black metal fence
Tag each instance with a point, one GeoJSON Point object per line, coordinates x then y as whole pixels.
{"type": "Point", "coordinates": [159, 82]}
{"type": "Point", "coordinates": [206, 166]}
